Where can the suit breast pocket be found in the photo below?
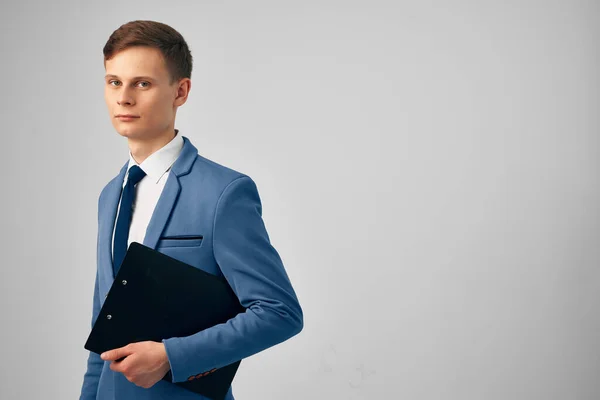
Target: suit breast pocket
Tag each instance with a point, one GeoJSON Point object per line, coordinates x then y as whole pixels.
{"type": "Point", "coordinates": [180, 241]}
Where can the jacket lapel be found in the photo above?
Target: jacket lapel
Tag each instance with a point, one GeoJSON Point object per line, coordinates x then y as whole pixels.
{"type": "Point", "coordinates": [162, 211]}
{"type": "Point", "coordinates": [107, 214]}
{"type": "Point", "coordinates": [170, 193]}
{"type": "Point", "coordinates": [160, 216]}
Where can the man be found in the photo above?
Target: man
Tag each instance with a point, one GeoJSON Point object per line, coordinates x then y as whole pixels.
{"type": "Point", "coordinates": [170, 198]}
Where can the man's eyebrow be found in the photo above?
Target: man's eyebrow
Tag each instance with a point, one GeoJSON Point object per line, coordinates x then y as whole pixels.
{"type": "Point", "coordinates": [135, 78]}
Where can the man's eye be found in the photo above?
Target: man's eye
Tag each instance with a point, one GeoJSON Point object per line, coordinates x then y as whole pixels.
{"type": "Point", "coordinates": [111, 82]}
{"type": "Point", "coordinates": [147, 83]}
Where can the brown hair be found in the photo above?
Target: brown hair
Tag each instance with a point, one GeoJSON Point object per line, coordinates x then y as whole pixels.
{"type": "Point", "coordinates": [154, 34]}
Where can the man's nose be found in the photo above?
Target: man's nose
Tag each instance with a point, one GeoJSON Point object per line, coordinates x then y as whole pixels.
{"type": "Point", "coordinates": [125, 98]}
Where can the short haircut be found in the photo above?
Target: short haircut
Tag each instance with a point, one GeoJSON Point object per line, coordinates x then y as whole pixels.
{"type": "Point", "coordinates": [154, 34]}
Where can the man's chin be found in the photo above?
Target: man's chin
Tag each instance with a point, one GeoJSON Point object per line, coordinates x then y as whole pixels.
{"type": "Point", "coordinates": [129, 133]}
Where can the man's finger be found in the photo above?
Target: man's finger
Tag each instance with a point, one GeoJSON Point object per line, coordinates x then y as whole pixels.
{"type": "Point", "coordinates": [116, 354]}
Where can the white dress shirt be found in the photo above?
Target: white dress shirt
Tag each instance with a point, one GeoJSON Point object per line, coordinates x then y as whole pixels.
{"type": "Point", "coordinates": [149, 188]}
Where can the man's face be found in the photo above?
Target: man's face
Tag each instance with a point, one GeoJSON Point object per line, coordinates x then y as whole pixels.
{"type": "Point", "coordinates": [137, 83]}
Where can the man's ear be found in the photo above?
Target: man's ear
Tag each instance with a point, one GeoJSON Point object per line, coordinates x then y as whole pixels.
{"type": "Point", "coordinates": [183, 89]}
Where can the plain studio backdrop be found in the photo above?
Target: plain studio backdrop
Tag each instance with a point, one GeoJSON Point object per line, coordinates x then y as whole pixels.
{"type": "Point", "coordinates": [428, 172]}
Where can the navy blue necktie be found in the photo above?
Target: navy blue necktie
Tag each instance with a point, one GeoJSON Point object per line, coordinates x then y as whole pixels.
{"type": "Point", "coordinates": [124, 218]}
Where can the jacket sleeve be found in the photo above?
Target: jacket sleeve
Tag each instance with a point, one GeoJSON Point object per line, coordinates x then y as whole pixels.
{"type": "Point", "coordinates": [256, 274]}
{"type": "Point", "coordinates": [94, 362]}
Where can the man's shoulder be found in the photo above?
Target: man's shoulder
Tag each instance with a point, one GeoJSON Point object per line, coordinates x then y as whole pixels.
{"type": "Point", "coordinates": [204, 169]}
{"type": "Point", "coordinates": [219, 174]}
{"type": "Point", "coordinates": [111, 181]}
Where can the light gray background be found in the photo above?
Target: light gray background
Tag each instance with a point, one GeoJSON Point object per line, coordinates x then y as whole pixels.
{"type": "Point", "coordinates": [428, 171]}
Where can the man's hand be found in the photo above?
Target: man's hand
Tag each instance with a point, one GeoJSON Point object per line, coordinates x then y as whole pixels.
{"type": "Point", "coordinates": [145, 363]}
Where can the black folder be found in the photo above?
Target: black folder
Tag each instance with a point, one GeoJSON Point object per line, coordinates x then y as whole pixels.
{"type": "Point", "coordinates": [154, 297]}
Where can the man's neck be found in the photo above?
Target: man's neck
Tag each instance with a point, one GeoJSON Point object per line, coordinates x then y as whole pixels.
{"type": "Point", "coordinates": [142, 149]}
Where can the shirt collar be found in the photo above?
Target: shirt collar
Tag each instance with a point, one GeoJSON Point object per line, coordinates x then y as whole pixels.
{"type": "Point", "coordinates": [159, 162]}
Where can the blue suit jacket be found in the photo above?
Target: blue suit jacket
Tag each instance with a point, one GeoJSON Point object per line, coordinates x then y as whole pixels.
{"type": "Point", "coordinates": [201, 198]}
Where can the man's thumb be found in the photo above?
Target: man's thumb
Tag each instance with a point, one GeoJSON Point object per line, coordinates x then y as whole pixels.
{"type": "Point", "coordinates": [114, 354]}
